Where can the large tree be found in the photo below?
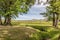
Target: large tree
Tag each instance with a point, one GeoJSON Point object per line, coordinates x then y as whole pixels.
{"type": "Point", "coordinates": [54, 10]}
{"type": "Point", "coordinates": [11, 8]}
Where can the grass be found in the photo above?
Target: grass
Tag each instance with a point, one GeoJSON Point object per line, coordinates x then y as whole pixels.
{"type": "Point", "coordinates": [18, 33]}
{"type": "Point", "coordinates": [30, 30]}
{"type": "Point", "coordinates": [32, 22]}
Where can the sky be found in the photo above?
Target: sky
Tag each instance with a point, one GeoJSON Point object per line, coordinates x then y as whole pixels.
{"type": "Point", "coordinates": [34, 12]}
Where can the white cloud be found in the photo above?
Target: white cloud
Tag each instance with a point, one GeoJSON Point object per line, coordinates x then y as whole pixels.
{"type": "Point", "coordinates": [29, 17]}
{"type": "Point", "coordinates": [34, 12]}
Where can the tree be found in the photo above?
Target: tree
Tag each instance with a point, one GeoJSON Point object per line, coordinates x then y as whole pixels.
{"type": "Point", "coordinates": [53, 11]}
{"type": "Point", "coordinates": [12, 8]}
{"type": "Point", "coordinates": [54, 8]}
{"type": "Point", "coordinates": [48, 16]}
{"type": "Point", "coordinates": [0, 18]}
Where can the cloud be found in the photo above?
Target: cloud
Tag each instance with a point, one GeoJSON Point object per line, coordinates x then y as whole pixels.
{"type": "Point", "coordinates": [34, 12]}
{"type": "Point", "coordinates": [29, 17]}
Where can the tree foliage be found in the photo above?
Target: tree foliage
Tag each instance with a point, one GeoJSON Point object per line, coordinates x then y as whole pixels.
{"type": "Point", "coordinates": [12, 8]}
{"type": "Point", "coordinates": [53, 10]}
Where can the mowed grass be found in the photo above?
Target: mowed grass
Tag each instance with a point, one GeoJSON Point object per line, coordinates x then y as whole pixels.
{"type": "Point", "coordinates": [30, 30]}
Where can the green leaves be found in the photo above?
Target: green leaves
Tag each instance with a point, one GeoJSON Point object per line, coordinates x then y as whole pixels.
{"type": "Point", "coordinates": [55, 5]}
{"type": "Point", "coordinates": [11, 8]}
{"type": "Point", "coordinates": [14, 6]}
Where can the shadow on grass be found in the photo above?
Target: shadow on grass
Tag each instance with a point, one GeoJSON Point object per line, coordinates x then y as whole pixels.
{"type": "Point", "coordinates": [41, 28]}
{"type": "Point", "coordinates": [18, 33]}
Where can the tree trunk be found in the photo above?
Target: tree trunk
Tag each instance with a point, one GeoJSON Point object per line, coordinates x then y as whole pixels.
{"type": "Point", "coordinates": [7, 20]}
{"type": "Point", "coordinates": [57, 17]}
{"type": "Point", "coordinates": [54, 19]}
{"type": "Point", "coordinates": [0, 21]}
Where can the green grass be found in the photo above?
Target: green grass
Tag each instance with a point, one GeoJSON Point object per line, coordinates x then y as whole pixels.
{"type": "Point", "coordinates": [30, 30]}
{"type": "Point", "coordinates": [30, 22]}
{"type": "Point", "coordinates": [46, 28]}
{"type": "Point", "coordinates": [18, 33]}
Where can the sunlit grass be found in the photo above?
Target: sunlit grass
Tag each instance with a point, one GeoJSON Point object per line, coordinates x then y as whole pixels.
{"type": "Point", "coordinates": [40, 30]}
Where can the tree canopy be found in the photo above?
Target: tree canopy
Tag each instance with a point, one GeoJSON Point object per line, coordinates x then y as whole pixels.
{"type": "Point", "coordinates": [53, 11]}
{"type": "Point", "coordinates": [11, 8]}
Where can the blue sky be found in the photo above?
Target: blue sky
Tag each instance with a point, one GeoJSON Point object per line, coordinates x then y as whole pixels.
{"type": "Point", "coordinates": [34, 12]}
